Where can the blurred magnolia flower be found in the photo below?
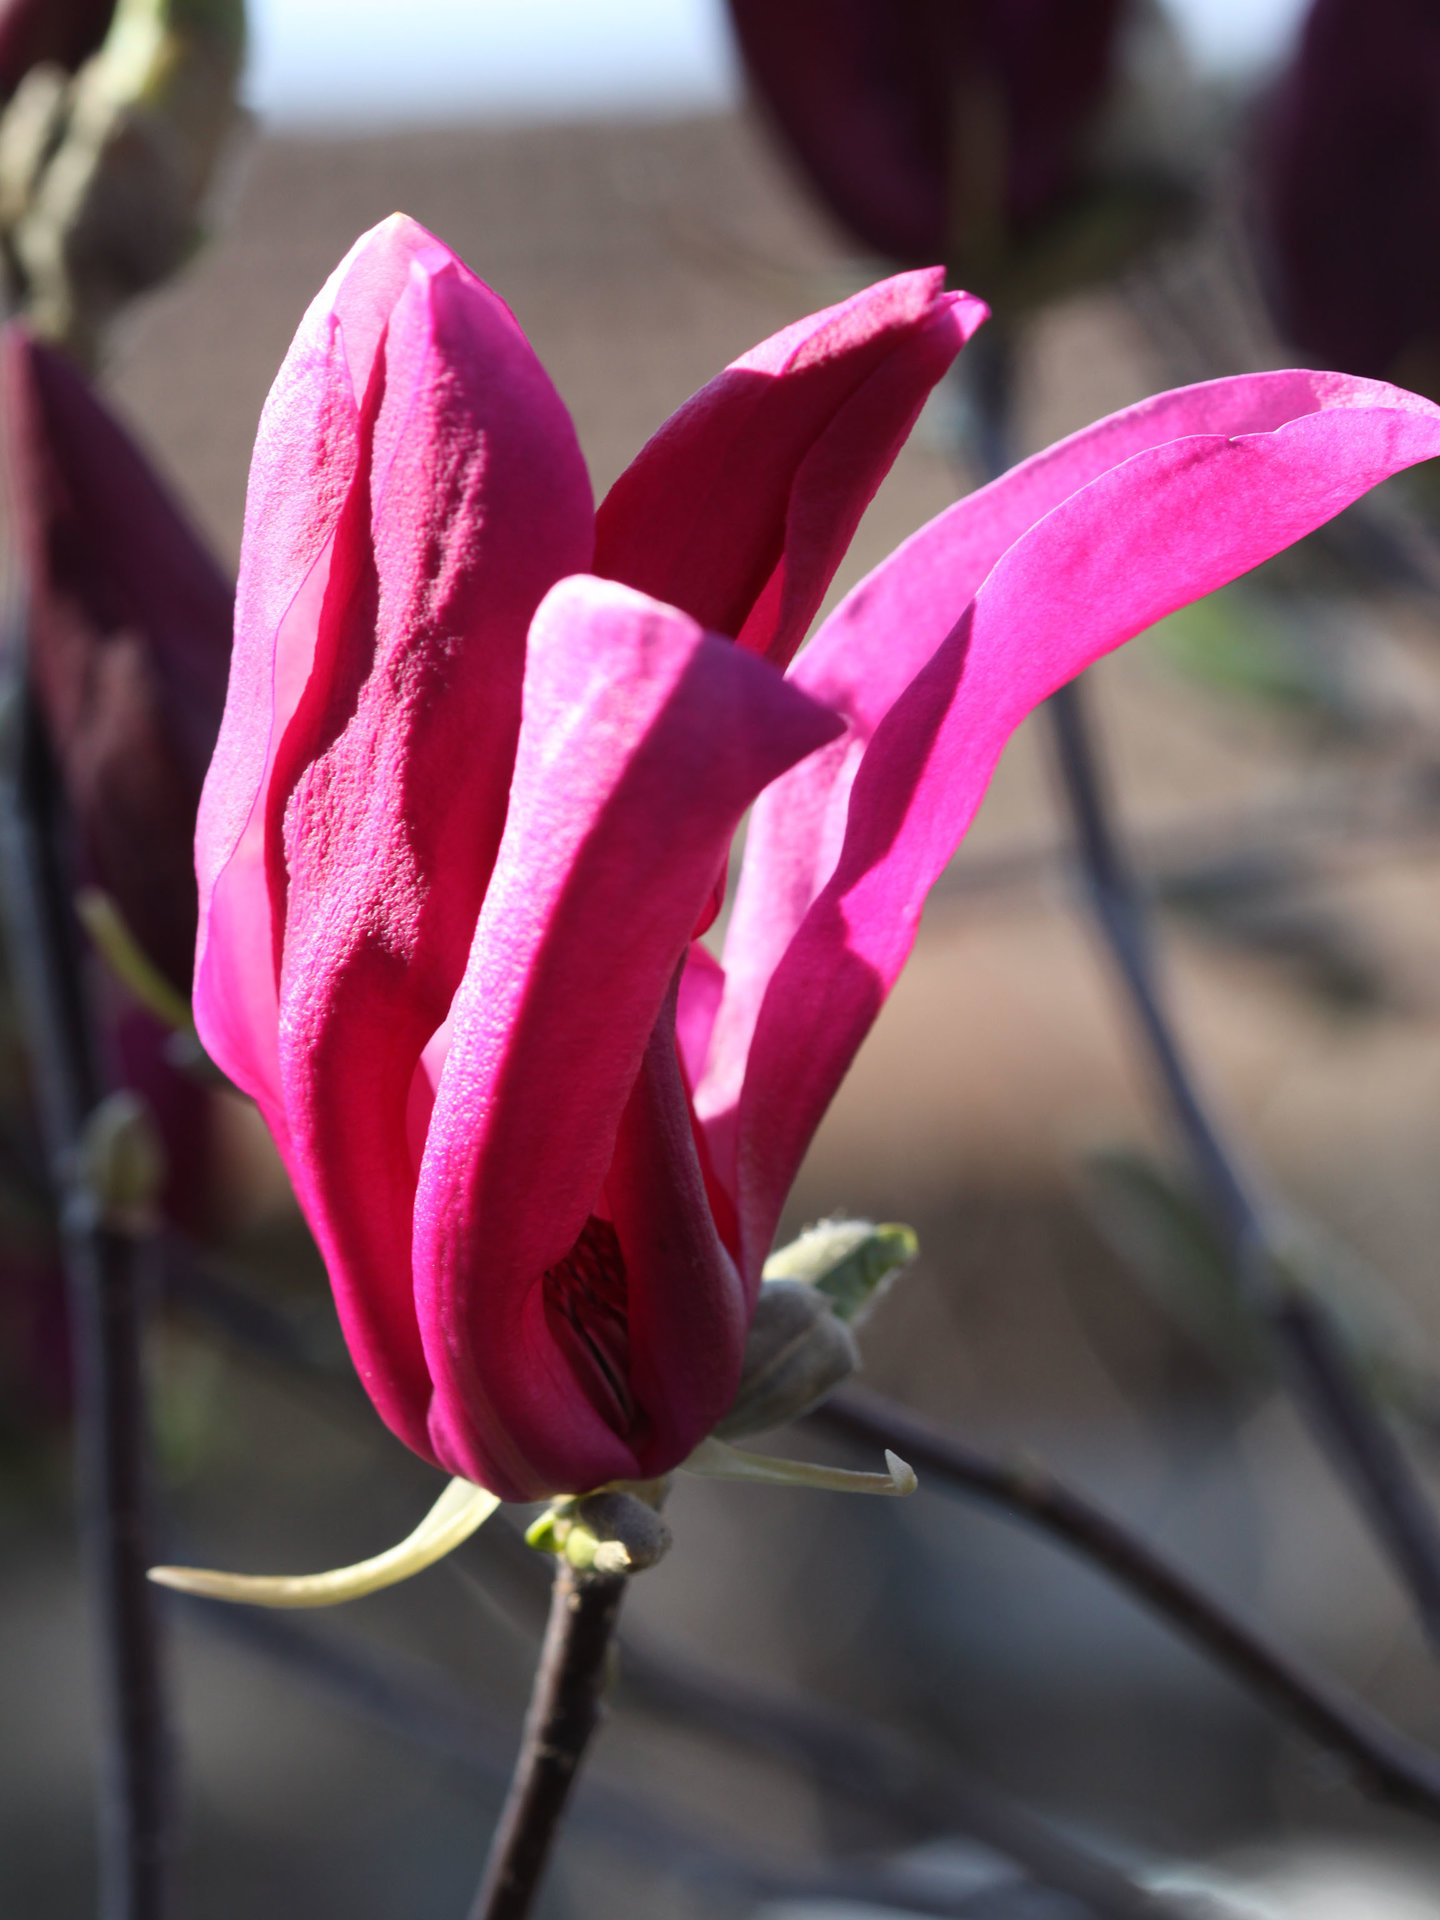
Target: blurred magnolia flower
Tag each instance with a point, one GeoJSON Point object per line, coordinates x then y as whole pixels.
{"type": "Point", "coordinates": [481, 762]}
{"type": "Point", "coordinates": [128, 620]}
{"type": "Point", "coordinates": [1347, 191]}
{"type": "Point", "coordinates": [61, 33]}
{"type": "Point", "coordinates": [1006, 137]}
{"type": "Point", "coordinates": [104, 176]}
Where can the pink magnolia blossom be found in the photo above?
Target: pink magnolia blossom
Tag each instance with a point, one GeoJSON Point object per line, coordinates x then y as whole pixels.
{"type": "Point", "coordinates": [464, 799]}
{"type": "Point", "coordinates": [470, 801]}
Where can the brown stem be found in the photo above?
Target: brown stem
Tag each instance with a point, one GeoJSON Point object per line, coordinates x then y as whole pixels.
{"type": "Point", "coordinates": [566, 1707]}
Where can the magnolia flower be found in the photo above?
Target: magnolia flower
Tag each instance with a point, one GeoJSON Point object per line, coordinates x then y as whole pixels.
{"type": "Point", "coordinates": [470, 802]}
{"type": "Point", "coordinates": [129, 644]}
{"type": "Point", "coordinates": [1347, 188]}
{"type": "Point", "coordinates": [1009, 138]}
{"type": "Point", "coordinates": [127, 622]}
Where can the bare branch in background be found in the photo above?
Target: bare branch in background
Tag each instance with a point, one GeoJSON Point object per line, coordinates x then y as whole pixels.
{"type": "Point", "coordinates": [1386, 1763]}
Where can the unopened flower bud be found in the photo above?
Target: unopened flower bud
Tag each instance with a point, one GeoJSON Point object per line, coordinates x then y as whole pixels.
{"type": "Point", "coordinates": [105, 179]}
{"type": "Point", "coordinates": [119, 1165]}
{"type": "Point", "coordinates": [798, 1351]}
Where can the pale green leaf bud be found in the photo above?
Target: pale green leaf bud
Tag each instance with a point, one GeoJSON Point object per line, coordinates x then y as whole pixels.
{"type": "Point", "coordinates": [851, 1262]}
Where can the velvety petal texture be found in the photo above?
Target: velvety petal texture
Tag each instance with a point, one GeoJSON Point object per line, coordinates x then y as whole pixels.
{"type": "Point", "coordinates": [416, 489]}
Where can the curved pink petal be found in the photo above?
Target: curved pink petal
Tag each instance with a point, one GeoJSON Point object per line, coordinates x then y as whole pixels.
{"type": "Point", "coordinates": [305, 462]}
{"type": "Point", "coordinates": [643, 740]}
{"type": "Point", "coordinates": [1050, 567]}
{"type": "Point", "coordinates": [741, 507]}
{"type": "Point", "coordinates": [457, 496]}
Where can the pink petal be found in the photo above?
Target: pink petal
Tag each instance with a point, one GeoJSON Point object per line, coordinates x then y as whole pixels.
{"type": "Point", "coordinates": [701, 986]}
{"type": "Point", "coordinates": [304, 464]}
{"type": "Point", "coordinates": [741, 507]}
{"type": "Point", "coordinates": [450, 495]}
{"type": "Point", "coordinates": [643, 741]}
{"type": "Point", "coordinates": [1050, 566]}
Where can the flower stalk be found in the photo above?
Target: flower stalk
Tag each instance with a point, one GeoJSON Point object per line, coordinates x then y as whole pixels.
{"type": "Point", "coordinates": [566, 1707]}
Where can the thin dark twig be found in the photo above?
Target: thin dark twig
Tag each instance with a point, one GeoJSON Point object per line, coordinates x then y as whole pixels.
{"type": "Point", "coordinates": [565, 1709]}
{"type": "Point", "coordinates": [1321, 1374]}
{"type": "Point", "coordinates": [1385, 1762]}
{"type": "Point", "coordinates": [922, 1791]}
{"type": "Point", "coordinates": [105, 1280]}
{"type": "Point", "coordinates": [848, 1755]}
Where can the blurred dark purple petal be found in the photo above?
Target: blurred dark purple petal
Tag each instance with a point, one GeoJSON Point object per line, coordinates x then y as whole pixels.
{"type": "Point", "coordinates": [1348, 191]}
{"type": "Point", "coordinates": [886, 103]}
{"type": "Point", "coordinates": [64, 31]}
{"type": "Point", "coordinates": [129, 621]}
{"type": "Point", "coordinates": [34, 1344]}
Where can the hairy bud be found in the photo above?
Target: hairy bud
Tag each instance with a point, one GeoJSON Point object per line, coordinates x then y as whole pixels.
{"type": "Point", "coordinates": [606, 1532]}
{"type": "Point", "coordinates": [798, 1351]}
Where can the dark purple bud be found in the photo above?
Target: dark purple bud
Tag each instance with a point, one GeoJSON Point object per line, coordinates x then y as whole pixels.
{"type": "Point", "coordinates": [35, 31]}
{"type": "Point", "coordinates": [129, 625]}
{"type": "Point", "coordinates": [916, 118]}
{"type": "Point", "coordinates": [1347, 208]}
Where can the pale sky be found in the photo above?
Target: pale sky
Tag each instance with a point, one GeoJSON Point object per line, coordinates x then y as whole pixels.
{"type": "Point", "coordinates": [374, 62]}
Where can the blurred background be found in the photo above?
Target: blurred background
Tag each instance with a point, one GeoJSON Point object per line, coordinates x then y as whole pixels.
{"type": "Point", "coordinates": [1275, 757]}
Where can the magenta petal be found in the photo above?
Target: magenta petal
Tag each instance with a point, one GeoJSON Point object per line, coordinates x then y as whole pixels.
{"type": "Point", "coordinates": [1050, 567]}
{"type": "Point", "coordinates": [642, 742]}
{"type": "Point", "coordinates": [451, 495]}
{"type": "Point", "coordinates": [305, 460]}
{"type": "Point", "coordinates": [741, 507]}
{"type": "Point", "coordinates": [702, 983]}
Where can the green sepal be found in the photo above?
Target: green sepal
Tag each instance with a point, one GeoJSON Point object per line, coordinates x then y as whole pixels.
{"type": "Point", "coordinates": [547, 1533]}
